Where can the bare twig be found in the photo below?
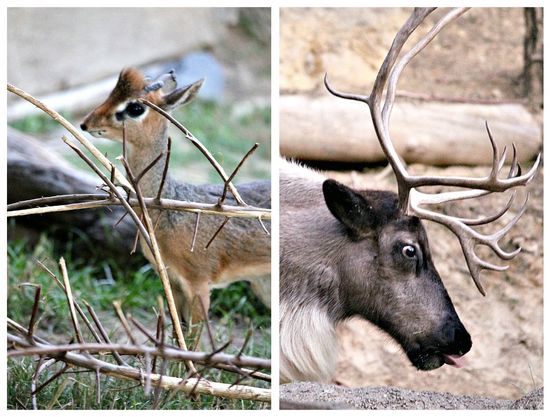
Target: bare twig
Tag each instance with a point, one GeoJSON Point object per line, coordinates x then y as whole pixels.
{"type": "Point", "coordinates": [199, 145]}
{"type": "Point", "coordinates": [216, 233]}
{"type": "Point", "coordinates": [50, 379]}
{"type": "Point", "coordinates": [77, 135]}
{"type": "Point", "coordinates": [263, 226]}
{"type": "Point", "coordinates": [34, 382]}
{"type": "Point", "coordinates": [195, 231]}
{"type": "Point", "coordinates": [122, 318]}
{"type": "Point", "coordinates": [70, 301]}
{"type": "Point", "coordinates": [66, 198]}
{"type": "Point", "coordinates": [34, 312]}
{"type": "Point", "coordinates": [98, 386]}
{"type": "Point", "coordinates": [239, 165]}
{"type": "Point", "coordinates": [186, 385]}
{"type": "Point", "coordinates": [78, 308]}
{"type": "Point", "coordinates": [148, 167]}
{"type": "Point", "coordinates": [207, 324]}
{"type": "Point", "coordinates": [165, 170]}
{"type": "Point", "coordinates": [104, 334]}
{"type": "Point", "coordinates": [125, 349]}
{"type": "Point", "coordinates": [164, 204]}
{"type": "Point", "coordinates": [161, 268]}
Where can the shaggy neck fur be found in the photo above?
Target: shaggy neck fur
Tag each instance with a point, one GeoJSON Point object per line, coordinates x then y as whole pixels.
{"type": "Point", "coordinates": [309, 349]}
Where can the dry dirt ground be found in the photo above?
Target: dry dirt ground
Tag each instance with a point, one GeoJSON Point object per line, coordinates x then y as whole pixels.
{"type": "Point", "coordinates": [478, 57]}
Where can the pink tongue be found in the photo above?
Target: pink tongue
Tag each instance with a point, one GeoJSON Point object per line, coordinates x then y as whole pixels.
{"type": "Point", "coordinates": [454, 360]}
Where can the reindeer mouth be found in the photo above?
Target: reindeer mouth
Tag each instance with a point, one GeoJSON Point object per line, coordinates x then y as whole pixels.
{"type": "Point", "coordinates": [458, 361]}
{"type": "Point", "coordinates": [428, 361]}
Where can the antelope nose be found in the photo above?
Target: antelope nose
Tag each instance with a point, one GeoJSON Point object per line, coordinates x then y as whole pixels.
{"type": "Point", "coordinates": [83, 127]}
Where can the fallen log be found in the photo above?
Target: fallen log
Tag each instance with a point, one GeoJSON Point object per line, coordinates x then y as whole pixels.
{"type": "Point", "coordinates": [37, 170]}
{"type": "Point", "coordinates": [332, 129]}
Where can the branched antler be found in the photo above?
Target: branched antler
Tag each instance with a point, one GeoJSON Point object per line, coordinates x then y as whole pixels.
{"type": "Point", "coordinates": [380, 102]}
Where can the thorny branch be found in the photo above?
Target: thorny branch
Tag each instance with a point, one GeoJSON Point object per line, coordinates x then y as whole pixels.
{"type": "Point", "coordinates": [69, 354]}
{"type": "Point", "coordinates": [83, 355]}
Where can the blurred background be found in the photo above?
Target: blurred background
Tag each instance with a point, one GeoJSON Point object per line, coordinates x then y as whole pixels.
{"type": "Point", "coordinates": [70, 59]}
{"type": "Point", "coordinates": [487, 65]}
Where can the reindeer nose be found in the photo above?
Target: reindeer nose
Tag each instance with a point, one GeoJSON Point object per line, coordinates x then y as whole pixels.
{"type": "Point", "coordinates": [83, 127]}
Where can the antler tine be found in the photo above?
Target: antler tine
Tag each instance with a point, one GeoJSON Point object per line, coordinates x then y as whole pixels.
{"type": "Point", "coordinates": [492, 218]}
{"type": "Point", "coordinates": [515, 169]}
{"type": "Point", "coordinates": [500, 234]}
{"type": "Point", "coordinates": [490, 183]}
{"type": "Point", "coordinates": [349, 96]}
{"type": "Point", "coordinates": [469, 238]}
{"type": "Point", "coordinates": [419, 46]}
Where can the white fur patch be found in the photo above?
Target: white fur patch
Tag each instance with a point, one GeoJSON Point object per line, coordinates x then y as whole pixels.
{"type": "Point", "coordinates": [293, 169]}
{"type": "Point", "coordinates": [309, 348]}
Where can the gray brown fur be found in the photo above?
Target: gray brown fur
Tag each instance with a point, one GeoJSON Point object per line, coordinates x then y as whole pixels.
{"type": "Point", "coordinates": [332, 270]}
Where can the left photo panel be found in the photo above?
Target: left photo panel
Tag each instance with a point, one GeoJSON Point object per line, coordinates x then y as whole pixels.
{"type": "Point", "coordinates": [139, 208]}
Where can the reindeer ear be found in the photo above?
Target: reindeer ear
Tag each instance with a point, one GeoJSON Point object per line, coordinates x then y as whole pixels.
{"type": "Point", "coordinates": [349, 207]}
{"type": "Point", "coordinates": [181, 96]}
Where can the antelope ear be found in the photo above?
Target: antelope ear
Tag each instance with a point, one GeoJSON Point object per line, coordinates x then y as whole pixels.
{"type": "Point", "coordinates": [181, 96]}
{"type": "Point", "coordinates": [349, 207]}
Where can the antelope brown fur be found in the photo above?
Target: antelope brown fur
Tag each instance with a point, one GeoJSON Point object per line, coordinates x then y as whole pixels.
{"type": "Point", "coordinates": [242, 249]}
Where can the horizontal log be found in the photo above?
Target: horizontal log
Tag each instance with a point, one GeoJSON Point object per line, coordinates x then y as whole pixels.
{"type": "Point", "coordinates": [37, 170]}
{"type": "Point", "coordinates": [332, 129]}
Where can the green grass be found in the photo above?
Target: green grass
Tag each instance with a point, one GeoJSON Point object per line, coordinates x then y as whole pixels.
{"type": "Point", "coordinates": [234, 310]}
{"type": "Point", "coordinates": [38, 124]}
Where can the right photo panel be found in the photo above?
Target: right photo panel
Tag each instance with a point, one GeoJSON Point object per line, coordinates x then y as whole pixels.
{"type": "Point", "coordinates": [411, 208]}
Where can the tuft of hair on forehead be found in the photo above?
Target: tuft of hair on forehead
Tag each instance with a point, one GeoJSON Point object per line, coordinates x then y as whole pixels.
{"type": "Point", "coordinates": [130, 84]}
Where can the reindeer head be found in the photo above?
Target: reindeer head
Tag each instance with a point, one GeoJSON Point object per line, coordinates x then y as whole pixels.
{"type": "Point", "coordinates": [387, 276]}
{"type": "Point", "coordinates": [123, 108]}
{"type": "Point", "coordinates": [417, 310]}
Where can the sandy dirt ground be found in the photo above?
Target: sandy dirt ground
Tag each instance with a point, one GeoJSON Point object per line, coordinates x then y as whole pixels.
{"type": "Point", "coordinates": [309, 395]}
{"type": "Point", "coordinates": [478, 57]}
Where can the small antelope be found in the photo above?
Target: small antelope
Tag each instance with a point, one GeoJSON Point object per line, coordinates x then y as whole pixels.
{"type": "Point", "coordinates": [242, 249]}
{"type": "Point", "coordinates": [346, 252]}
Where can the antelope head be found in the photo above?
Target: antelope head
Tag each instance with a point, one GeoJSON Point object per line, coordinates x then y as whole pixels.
{"type": "Point", "coordinates": [124, 108]}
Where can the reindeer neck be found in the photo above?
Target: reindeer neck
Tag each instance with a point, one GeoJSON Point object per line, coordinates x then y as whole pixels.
{"type": "Point", "coordinates": [139, 158]}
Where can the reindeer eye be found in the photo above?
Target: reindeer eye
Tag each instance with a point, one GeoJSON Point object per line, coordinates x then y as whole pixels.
{"type": "Point", "coordinates": [134, 109]}
{"type": "Point", "coordinates": [409, 251]}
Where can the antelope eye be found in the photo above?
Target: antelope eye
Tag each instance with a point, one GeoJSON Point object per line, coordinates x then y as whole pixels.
{"type": "Point", "coordinates": [409, 251]}
{"type": "Point", "coordinates": [134, 109]}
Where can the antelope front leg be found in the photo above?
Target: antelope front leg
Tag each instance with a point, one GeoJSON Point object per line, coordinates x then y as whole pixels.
{"type": "Point", "coordinates": [199, 304]}
{"type": "Point", "coordinates": [261, 286]}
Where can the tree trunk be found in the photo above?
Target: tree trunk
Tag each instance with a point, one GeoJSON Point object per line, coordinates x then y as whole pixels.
{"type": "Point", "coordinates": [533, 56]}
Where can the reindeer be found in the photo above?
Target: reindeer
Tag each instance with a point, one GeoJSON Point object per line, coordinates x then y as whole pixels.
{"type": "Point", "coordinates": [242, 249]}
{"type": "Point", "coordinates": [346, 252]}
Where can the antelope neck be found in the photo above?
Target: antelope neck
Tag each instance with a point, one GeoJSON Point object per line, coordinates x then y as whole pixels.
{"type": "Point", "coordinates": [140, 156]}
